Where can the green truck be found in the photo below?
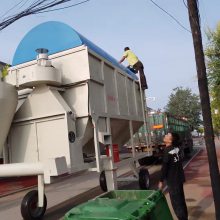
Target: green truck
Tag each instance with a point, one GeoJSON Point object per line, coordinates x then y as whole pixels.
{"type": "Point", "coordinates": [159, 124]}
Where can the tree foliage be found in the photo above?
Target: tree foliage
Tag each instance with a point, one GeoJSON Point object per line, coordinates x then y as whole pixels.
{"type": "Point", "coordinates": [212, 53]}
{"type": "Point", "coordinates": [5, 71]}
{"type": "Point", "coordinates": [184, 104]}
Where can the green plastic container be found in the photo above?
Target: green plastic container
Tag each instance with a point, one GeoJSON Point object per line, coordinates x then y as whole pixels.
{"type": "Point", "coordinates": [123, 205]}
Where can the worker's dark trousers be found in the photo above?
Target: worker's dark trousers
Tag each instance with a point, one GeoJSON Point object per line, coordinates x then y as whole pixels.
{"type": "Point", "coordinates": [139, 67]}
{"type": "Point", "coordinates": [178, 202]}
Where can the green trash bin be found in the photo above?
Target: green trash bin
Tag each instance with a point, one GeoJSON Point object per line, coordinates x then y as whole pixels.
{"type": "Point", "coordinates": [123, 205]}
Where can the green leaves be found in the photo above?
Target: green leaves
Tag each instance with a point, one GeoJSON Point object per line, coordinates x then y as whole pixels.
{"type": "Point", "coordinates": [5, 71]}
{"type": "Point", "coordinates": [184, 104]}
{"type": "Point", "coordinates": [212, 53]}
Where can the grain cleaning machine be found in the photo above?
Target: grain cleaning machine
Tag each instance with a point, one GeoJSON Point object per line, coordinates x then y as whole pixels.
{"type": "Point", "coordinates": [73, 100]}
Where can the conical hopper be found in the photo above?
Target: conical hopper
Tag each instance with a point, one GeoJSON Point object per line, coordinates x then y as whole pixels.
{"type": "Point", "coordinates": [8, 104]}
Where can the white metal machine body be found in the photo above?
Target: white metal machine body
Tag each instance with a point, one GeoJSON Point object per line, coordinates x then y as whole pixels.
{"type": "Point", "coordinates": [71, 105]}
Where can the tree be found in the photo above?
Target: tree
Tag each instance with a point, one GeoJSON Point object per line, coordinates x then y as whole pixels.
{"type": "Point", "coordinates": [215, 118]}
{"type": "Point", "coordinates": [184, 104]}
{"type": "Point", "coordinates": [200, 130]}
{"type": "Point", "coordinates": [5, 70]}
{"type": "Point", "coordinates": [212, 53]}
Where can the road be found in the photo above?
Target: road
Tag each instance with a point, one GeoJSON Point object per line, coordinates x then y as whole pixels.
{"type": "Point", "coordinates": [70, 191]}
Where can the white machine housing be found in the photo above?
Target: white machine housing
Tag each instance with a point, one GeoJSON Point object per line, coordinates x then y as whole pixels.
{"type": "Point", "coordinates": [92, 92]}
{"type": "Point", "coordinates": [71, 105]}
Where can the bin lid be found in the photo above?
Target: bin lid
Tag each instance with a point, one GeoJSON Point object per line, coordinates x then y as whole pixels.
{"type": "Point", "coordinates": [123, 205]}
{"type": "Point", "coordinates": [152, 195]}
{"type": "Point", "coordinates": [56, 37]}
{"type": "Point", "coordinates": [111, 209]}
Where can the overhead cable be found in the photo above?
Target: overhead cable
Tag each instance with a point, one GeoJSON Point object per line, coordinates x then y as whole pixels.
{"type": "Point", "coordinates": [36, 7]}
{"type": "Point", "coordinates": [170, 15]}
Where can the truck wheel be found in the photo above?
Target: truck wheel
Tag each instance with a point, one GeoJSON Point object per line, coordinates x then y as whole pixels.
{"type": "Point", "coordinates": [144, 178]}
{"type": "Point", "coordinates": [29, 206]}
{"type": "Point", "coordinates": [188, 150]}
{"type": "Point", "coordinates": [102, 181]}
{"type": "Point", "coordinates": [146, 160]}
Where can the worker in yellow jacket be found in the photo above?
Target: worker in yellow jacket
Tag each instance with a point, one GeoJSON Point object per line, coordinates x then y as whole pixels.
{"type": "Point", "coordinates": [136, 64]}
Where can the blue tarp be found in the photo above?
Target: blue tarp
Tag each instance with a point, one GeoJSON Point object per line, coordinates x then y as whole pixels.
{"type": "Point", "coordinates": [56, 37]}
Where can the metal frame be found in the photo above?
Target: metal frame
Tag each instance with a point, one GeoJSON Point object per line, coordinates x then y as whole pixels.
{"type": "Point", "coordinates": [57, 166]}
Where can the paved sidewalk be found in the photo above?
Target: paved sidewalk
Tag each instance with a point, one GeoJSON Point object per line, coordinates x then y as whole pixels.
{"type": "Point", "coordinates": [197, 188]}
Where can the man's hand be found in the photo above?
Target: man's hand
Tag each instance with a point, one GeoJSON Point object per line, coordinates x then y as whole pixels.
{"type": "Point", "coordinates": [160, 185]}
{"type": "Point", "coordinates": [122, 59]}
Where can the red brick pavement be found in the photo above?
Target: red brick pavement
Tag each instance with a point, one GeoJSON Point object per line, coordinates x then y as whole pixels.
{"type": "Point", "coordinates": [10, 185]}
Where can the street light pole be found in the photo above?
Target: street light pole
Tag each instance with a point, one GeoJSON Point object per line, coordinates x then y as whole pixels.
{"type": "Point", "coordinates": [205, 103]}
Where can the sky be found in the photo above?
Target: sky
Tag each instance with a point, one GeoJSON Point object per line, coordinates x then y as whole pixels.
{"type": "Point", "coordinates": [165, 49]}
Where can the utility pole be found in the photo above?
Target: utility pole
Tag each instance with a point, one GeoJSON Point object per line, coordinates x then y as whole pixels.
{"type": "Point", "coordinates": [205, 102]}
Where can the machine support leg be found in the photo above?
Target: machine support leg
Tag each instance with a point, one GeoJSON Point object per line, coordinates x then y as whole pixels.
{"type": "Point", "coordinates": [97, 146]}
{"type": "Point", "coordinates": [133, 167]}
{"type": "Point", "coordinates": [148, 134]}
{"type": "Point", "coordinates": [110, 170]}
{"type": "Point", "coordinates": [110, 174]}
{"type": "Point", "coordinates": [40, 190]}
{"type": "Point", "coordinates": [144, 115]}
{"type": "Point", "coordinates": [132, 138]}
{"type": "Point", "coordinates": [143, 103]}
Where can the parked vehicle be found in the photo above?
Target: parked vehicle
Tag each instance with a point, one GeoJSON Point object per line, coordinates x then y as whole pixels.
{"type": "Point", "coordinates": [159, 124]}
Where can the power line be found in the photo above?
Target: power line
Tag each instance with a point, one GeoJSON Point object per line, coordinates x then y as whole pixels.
{"type": "Point", "coordinates": [205, 18]}
{"type": "Point", "coordinates": [185, 4]}
{"type": "Point", "coordinates": [11, 8]}
{"type": "Point", "coordinates": [181, 25]}
{"type": "Point", "coordinates": [36, 7]}
{"type": "Point", "coordinates": [70, 6]}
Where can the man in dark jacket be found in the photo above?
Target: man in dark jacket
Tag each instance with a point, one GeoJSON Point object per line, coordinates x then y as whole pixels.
{"type": "Point", "coordinates": [172, 172]}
